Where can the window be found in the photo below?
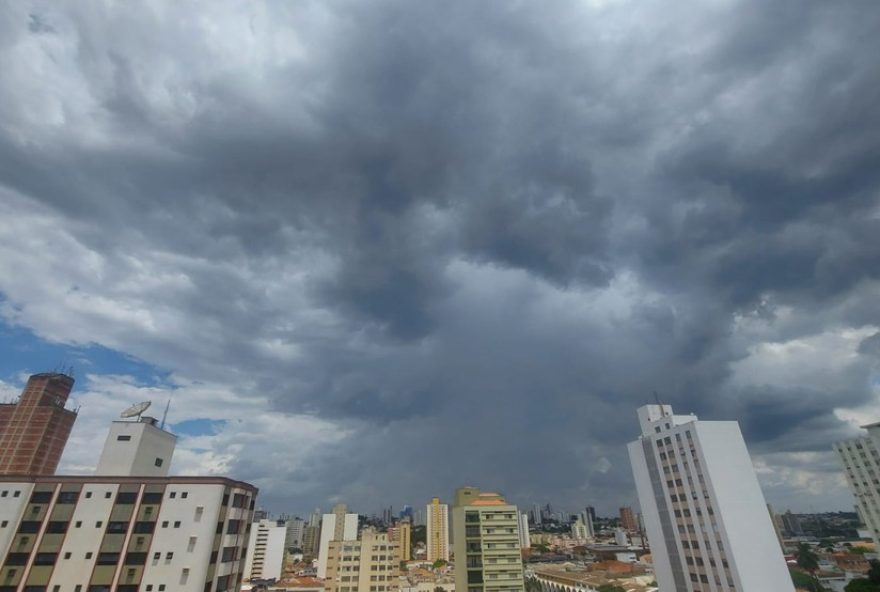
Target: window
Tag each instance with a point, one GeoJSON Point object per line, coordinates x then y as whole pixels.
{"type": "Point", "coordinates": [177, 524]}
{"type": "Point", "coordinates": [16, 493]}
{"type": "Point", "coordinates": [67, 555]}
{"type": "Point", "coordinates": [164, 524]}
{"type": "Point", "coordinates": [78, 523]}
{"type": "Point", "coordinates": [158, 462]}
{"type": "Point", "coordinates": [117, 527]}
{"type": "Point", "coordinates": [144, 527]}
{"type": "Point", "coordinates": [123, 438]}
{"type": "Point", "coordinates": [4, 493]}
{"type": "Point", "coordinates": [172, 495]}
{"type": "Point", "coordinates": [56, 527]}
{"type": "Point", "coordinates": [135, 558]}
{"type": "Point", "coordinates": [152, 498]}
{"type": "Point", "coordinates": [108, 494]}
{"type": "Point", "coordinates": [89, 555]}
{"type": "Point", "coordinates": [98, 524]}
{"type": "Point", "coordinates": [184, 494]}
{"type": "Point", "coordinates": [68, 497]}
{"type": "Point", "coordinates": [41, 497]}
{"type": "Point", "coordinates": [29, 526]}
{"type": "Point", "coordinates": [4, 523]}
{"type": "Point", "coordinates": [128, 497]}
{"type": "Point", "coordinates": [88, 494]}
{"type": "Point", "coordinates": [45, 558]}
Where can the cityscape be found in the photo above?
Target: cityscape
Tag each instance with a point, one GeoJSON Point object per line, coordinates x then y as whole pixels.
{"type": "Point", "coordinates": [702, 523]}
{"type": "Point", "coordinates": [439, 296]}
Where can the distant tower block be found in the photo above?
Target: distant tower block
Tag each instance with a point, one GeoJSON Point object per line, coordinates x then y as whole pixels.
{"type": "Point", "coordinates": [137, 448]}
{"type": "Point", "coordinates": [34, 430]}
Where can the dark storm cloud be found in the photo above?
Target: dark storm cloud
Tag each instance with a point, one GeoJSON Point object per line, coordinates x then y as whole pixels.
{"type": "Point", "coordinates": [485, 230]}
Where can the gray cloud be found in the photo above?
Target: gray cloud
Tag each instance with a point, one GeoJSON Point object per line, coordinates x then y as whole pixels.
{"type": "Point", "coordinates": [474, 237]}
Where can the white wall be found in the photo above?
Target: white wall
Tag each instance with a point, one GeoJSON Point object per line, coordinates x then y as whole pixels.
{"type": "Point", "coordinates": [11, 508]}
{"type": "Point", "coordinates": [86, 538]}
{"type": "Point", "coordinates": [272, 549]}
{"type": "Point", "coordinates": [137, 455]}
{"type": "Point", "coordinates": [754, 554]}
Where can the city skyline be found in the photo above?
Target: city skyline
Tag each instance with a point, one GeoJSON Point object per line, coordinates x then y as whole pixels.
{"type": "Point", "coordinates": [374, 252]}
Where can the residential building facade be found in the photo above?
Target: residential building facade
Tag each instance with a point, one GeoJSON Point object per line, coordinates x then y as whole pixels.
{"type": "Point", "coordinates": [336, 526]}
{"type": "Point", "coordinates": [371, 564]}
{"type": "Point", "coordinates": [125, 534]}
{"type": "Point", "coordinates": [137, 447]}
{"type": "Point", "coordinates": [437, 532]}
{"type": "Point", "coordinates": [486, 543]}
{"type": "Point", "coordinates": [703, 508]}
{"type": "Point", "coordinates": [860, 458]}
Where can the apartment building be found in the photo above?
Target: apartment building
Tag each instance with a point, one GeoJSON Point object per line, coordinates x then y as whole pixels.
{"type": "Point", "coordinates": [123, 533]}
{"type": "Point", "coordinates": [336, 526]}
{"type": "Point", "coordinates": [702, 506]}
{"type": "Point", "coordinates": [265, 556]}
{"type": "Point", "coordinates": [486, 543]}
{"type": "Point", "coordinates": [371, 564]}
{"type": "Point", "coordinates": [861, 465]}
{"type": "Point", "coordinates": [401, 533]}
{"type": "Point", "coordinates": [437, 532]}
{"type": "Point", "coordinates": [525, 541]}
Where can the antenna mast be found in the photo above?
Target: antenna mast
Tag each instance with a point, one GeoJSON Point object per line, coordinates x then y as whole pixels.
{"type": "Point", "coordinates": [165, 415]}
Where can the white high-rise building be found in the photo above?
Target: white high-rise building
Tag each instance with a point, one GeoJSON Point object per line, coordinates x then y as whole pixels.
{"type": "Point", "coordinates": [703, 508]}
{"type": "Point", "coordinates": [588, 517]}
{"type": "Point", "coordinates": [295, 530]}
{"type": "Point", "coordinates": [137, 448]}
{"type": "Point", "coordinates": [579, 530]}
{"type": "Point", "coordinates": [525, 541]}
{"type": "Point", "coordinates": [265, 555]}
{"type": "Point", "coordinates": [438, 530]}
{"type": "Point", "coordinates": [338, 526]}
{"type": "Point", "coordinates": [861, 464]}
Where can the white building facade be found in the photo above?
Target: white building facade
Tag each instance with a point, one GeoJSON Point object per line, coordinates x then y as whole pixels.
{"type": "Point", "coordinates": [703, 508]}
{"type": "Point", "coordinates": [126, 534]}
{"type": "Point", "coordinates": [524, 539]}
{"type": "Point", "coordinates": [860, 458]}
{"type": "Point", "coordinates": [265, 554]}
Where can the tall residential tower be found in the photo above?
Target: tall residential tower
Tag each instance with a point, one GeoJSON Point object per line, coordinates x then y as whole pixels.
{"type": "Point", "coordinates": [703, 508]}
{"type": "Point", "coordinates": [861, 464]}
{"type": "Point", "coordinates": [487, 548]}
{"type": "Point", "coordinates": [438, 530]}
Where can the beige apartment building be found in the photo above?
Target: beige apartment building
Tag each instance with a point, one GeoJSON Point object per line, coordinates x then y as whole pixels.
{"type": "Point", "coordinates": [487, 543]}
{"type": "Point", "coordinates": [438, 531]}
{"type": "Point", "coordinates": [371, 564]}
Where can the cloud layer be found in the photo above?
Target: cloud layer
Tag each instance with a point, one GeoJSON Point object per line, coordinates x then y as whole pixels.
{"type": "Point", "coordinates": [399, 247]}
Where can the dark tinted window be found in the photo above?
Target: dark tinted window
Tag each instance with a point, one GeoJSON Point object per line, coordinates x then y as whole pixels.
{"type": "Point", "coordinates": [144, 527]}
{"type": "Point", "coordinates": [57, 527]}
{"type": "Point", "coordinates": [45, 558]}
{"type": "Point", "coordinates": [135, 558]}
{"type": "Point", "coordinates": [41, 497]}
{"type": "Point", "coordinates": [152, 498]}
{"type": "Point", "coordinates": [68, 497]}
{"type": "Point", "coordinates": [17, 558]}
{"type": "Point", "coordinates": [126, 497]}
{"type": "Point", "coordinates": [117, 527]}
{"type": "Point", "coordinates": [108, 558]}
{"type": "Point", "coordinates": [29, 526]}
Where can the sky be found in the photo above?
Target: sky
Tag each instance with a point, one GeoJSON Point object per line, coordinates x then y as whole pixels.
{"type": "Point", "coordinates": [374, 251]}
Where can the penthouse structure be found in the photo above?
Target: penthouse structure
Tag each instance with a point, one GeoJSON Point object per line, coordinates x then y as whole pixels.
{"type": "Point", "coordinates": [702, 506]}
{"type": "Point", "coordinates": [34, 429]}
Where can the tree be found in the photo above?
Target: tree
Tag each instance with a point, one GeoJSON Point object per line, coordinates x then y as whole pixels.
{"type": "Point", "coordinates": [439, 563]}
{"type": "Point", "coordinates": [805, 581]}
{"type": "Point", "coordinates": [862, 585]}
{"type": "Point", "coordinates": [806, 559]}
{"type": "Point", "coordinates": [874, 572]}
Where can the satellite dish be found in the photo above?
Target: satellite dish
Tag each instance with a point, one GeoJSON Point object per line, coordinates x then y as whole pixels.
{"type": "Point", "coordinates": [135, 410]}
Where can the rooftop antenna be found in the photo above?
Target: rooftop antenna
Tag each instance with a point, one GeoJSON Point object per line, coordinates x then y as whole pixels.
{"type": "Point", "coordinates": [135, 410]}
{"type": "Point", "coordinates": [657, 400]}
{"type": "Point", "coordinates": [165, 415]}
